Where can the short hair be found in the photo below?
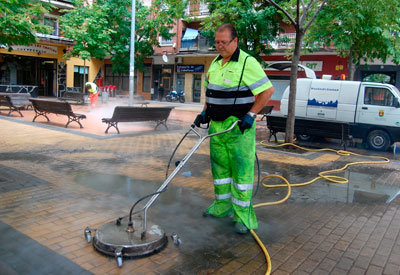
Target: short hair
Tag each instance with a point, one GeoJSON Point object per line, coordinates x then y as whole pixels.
{"type": "Point", "coordinates": [230, 28]}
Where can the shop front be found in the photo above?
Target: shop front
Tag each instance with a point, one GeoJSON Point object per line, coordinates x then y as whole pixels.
{"type": "Point", "coordinates": [34, 65]}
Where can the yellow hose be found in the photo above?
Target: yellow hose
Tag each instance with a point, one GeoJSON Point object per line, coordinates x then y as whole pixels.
{"type": "Point", "coordinates": [321, 175]}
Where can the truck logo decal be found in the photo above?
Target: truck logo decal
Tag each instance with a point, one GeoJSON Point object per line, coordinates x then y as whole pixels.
{"type": "Point", "coordinates": [314, 102]}
{"type": "Point", "coordinates": [381, 113]}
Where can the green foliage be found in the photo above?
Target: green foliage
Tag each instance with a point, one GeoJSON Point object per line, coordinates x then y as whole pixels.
{"type": "Point", "coordinates": [256, 25]}
{"type": "Point", "coordinates": [103, 29]}
{"type": "Point", "coordinates": [359, 29]}
{"type": "Point", "coordinates": [20, 20]}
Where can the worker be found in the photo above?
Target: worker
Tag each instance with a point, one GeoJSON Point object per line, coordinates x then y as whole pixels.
{"type": "Point", "coordinates": [236, 88]}
{"type": "Point", "coordinates": [94, 93]}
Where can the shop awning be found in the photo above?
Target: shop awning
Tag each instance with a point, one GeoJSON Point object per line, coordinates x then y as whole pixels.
{"type": "Point", "coordinates": [190, 34]}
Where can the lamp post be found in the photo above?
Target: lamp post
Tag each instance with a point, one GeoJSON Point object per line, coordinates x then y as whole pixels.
{"type": "Point", "coordinates": [132, 55]}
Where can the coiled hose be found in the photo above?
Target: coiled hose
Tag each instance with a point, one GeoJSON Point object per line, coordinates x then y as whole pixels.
{"type": "Point", "coordinates": [322, 175]}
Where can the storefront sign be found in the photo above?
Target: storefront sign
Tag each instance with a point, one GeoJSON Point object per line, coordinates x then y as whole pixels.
{"type": "Point", "coordinates": [313, 65]}
{"type": "Point", "coordinates": [189, 68]}
{"type": "Point", "coordinates": [36, 48]}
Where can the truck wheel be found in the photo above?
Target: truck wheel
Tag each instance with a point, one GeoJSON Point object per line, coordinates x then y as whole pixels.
{"type": "Point", "coordinates": [304, 138]}
{"type": "Point", "coordinates": [378, 140]}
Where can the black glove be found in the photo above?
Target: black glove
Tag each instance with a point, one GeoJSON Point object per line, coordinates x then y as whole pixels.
{"type": "Point", "coordinates": [246, 122]}
{"type": "Point", "coordinates": [201, 119]}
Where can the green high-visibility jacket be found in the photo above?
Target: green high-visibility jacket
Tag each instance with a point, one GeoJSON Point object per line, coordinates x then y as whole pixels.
{"type": "Point", "coordinates": [225, 96]}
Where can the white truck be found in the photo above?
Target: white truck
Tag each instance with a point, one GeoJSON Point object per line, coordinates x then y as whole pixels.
{"type": "Point", "coordinates": [371, 110]}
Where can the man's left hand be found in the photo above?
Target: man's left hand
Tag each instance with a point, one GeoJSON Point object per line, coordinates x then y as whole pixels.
{"type": "Point", "coordinates": [246, 122]}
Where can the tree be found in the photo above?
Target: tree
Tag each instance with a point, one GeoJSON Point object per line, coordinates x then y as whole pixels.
{"type": "Point", "coordinates": [103, 29]}
{"type": "Point", "coordinates": [359, 30]}
{"type": "Point", "coordinates": [20, 20]}
{"type": "Point", "coordinates": [256, 25]}
{"type": "Point", "coordinates": [301, 14]}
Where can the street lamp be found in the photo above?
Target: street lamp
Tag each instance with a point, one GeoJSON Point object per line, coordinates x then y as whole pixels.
{"type": "Point", "coordinates": [132, 54]}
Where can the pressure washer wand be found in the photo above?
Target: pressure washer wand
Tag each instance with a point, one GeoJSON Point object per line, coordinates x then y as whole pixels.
{"type": "Point", "coordinates": [180, 165]}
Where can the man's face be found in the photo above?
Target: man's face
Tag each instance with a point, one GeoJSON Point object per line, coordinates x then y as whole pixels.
{"type": "Point", "coordinates": [226, 46]}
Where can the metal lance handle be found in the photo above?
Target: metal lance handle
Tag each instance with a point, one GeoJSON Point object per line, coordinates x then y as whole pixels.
{"type": "Point", "coordinates": [180, 165]}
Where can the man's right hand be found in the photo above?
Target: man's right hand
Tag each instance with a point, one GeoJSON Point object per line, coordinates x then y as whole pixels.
{"type": "Point", "coordinates": [201, 119]}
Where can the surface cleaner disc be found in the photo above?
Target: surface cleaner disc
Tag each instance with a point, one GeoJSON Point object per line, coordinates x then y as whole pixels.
{"type": "Point", "coordinates": [111, 237]}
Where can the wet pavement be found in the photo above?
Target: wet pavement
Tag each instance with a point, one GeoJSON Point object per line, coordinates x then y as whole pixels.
{"type": "Point", "coordinates": [54, 182]}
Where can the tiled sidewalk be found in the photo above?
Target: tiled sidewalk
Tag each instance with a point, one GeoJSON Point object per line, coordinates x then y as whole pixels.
{"type": "Point", "coordinates": [54, 183]}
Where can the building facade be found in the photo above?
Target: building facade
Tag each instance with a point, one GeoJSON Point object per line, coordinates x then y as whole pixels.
{"type": "Point", "coordinates": [43, 65]}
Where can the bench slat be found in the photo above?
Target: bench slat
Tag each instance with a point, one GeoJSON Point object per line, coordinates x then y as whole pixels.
{"type": "Point", "coordinates": [321, 128]}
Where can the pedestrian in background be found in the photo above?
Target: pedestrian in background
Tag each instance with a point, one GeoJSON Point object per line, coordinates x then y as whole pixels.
{"type": "Point", "coordinates": [236, 88]}
{"type": "Point", "coordinates": [161, 91]}
{"type": "Point", "coordinates": [93, 93]}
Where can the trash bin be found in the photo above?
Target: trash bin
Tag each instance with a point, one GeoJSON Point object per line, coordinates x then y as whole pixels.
{"type": "Point", "coordinates": [104, 95]}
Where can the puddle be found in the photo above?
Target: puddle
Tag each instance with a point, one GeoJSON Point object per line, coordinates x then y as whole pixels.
{"type": "Point", "coordinates": [117, 184]}
{"type": "Point", "coordinates": [362, 188]}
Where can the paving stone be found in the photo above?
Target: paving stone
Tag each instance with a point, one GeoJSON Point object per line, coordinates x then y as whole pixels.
{"type": "Point", "coordinates": [374, 270]}
{"type": "Point", "coordinates": [391, 269]}
{"type": "Point", "coordinates": [345, 264]}
{"type": "Point", "coordinates": [327, 264]}
{"type": "Point", "coordinates": [362, 262]}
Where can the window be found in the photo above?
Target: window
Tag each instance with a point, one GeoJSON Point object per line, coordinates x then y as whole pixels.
{"type": "Point", "coordinates": [378, 96]}
{"type": "Point", "coordinates": [52, 22]}
{"type": "Point", "coordinates": [204, 8]}
{"type": "Point", "coordinates": [79, 72]}
{"type": "Point", "coordinates": [147, 79]}
{"type": "Point", "coordinates": [165, 41]}
{"type": "Point", "coordinates": [180, 82]}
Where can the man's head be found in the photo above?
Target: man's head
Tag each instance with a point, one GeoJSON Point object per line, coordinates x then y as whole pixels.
{"type": "Point", "coordinates": [226, 40]}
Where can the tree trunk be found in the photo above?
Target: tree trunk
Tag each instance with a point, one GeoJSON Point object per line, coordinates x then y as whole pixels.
{"type": "Point", "coordinates": [350, 65]}
{"type": "Point", "coordinates": [293, 86]}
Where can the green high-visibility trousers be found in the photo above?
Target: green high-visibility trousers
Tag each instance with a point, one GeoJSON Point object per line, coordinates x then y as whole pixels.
{"type": "Point", "coordinates": [232, 161]}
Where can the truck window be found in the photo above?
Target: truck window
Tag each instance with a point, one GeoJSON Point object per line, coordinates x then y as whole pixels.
{"type": "Point", "coordinates": [378, 96]}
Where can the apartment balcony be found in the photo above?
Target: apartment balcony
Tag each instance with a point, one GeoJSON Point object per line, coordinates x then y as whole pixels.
{"type": "Point", "coordinates": [62, 4]}
{"type": "Point", "coordinates": [59, 39]}
{"type": "Point", "coordinates": [192, 41]}
{"type": "Point", "coordinates": [199, 44]}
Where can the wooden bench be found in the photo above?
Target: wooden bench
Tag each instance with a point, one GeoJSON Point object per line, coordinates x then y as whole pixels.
{"type": "Point", "coordinates": [15, 102]}
{"type": "Point", "coordinates": [266, 110]}
{"type": "Point", "coordinates": [73, 96]}
{"type": "Point", "coordinates": [312, 128]}
{"type": "Point", "coordinates": [137, 114]}
{"type": "Point", "coordinates": [43, 107]}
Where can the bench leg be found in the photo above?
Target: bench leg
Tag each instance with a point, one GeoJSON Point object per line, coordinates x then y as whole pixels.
{"type": "Point", "coordinates": [40, 114]}
{"type": "Point", "coordinates": [77, 119]}
{"type": "Point", "coordinates": [13, 109]}
{"type": "Point", "coordinates": [272, 133]}
{"type": "Point", "coordinates": [161, 122]}
{"type": "Point", "coordinates": [112, 124]}
{"type": "Point", "coordinates": [19, 112]}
